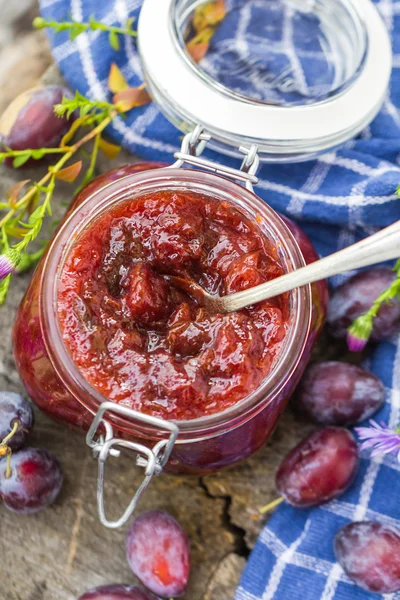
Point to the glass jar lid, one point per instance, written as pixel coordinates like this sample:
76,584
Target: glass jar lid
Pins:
294,77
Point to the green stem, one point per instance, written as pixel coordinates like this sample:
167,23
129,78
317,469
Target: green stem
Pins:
8,468
43,151
7,449
4,239
32,233
271,505
110,28
10,435
391,292
40,23
90,171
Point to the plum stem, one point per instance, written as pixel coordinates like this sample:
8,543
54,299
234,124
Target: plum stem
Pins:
8,467
271,505
6,450
11,434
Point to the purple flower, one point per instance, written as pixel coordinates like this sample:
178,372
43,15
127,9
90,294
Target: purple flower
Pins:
355,343
359,333
379,437
8,262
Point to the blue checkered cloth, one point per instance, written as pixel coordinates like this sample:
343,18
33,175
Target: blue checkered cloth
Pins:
338,199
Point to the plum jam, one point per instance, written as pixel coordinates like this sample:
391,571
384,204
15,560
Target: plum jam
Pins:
146,344
99,320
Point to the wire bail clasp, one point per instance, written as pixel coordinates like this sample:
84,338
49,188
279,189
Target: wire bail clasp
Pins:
152,460
193,145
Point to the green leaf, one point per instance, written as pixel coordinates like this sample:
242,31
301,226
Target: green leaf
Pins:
85,110
4,239
25,225
129,23
41,188
74,32
28,260
34,232
37,154
62,27
4,287
113,40
37,214
20,160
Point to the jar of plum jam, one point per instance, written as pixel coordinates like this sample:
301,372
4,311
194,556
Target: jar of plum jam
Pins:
105,340
101,332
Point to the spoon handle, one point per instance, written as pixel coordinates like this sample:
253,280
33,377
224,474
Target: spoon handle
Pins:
381,246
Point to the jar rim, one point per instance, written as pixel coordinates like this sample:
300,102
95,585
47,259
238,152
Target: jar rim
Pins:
138,184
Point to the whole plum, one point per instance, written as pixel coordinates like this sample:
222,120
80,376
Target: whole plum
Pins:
369,553
157,550
339,393
319,468
30,121
35,481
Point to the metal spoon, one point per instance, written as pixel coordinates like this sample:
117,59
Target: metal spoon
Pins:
381,246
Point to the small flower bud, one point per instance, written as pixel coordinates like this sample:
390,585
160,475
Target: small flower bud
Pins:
39,23
359,333
8,262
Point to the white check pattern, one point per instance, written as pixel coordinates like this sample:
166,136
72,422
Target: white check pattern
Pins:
339,198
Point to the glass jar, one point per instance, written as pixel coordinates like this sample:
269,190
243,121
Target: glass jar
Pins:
216,108
202,445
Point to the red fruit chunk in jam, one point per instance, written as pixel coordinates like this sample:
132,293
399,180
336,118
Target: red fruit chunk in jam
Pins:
35,482
157,550
338,393
369,554
318,469
356,296
147,295
244,273
117,592
141,341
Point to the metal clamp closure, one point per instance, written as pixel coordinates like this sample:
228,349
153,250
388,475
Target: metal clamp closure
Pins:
194,143
152,460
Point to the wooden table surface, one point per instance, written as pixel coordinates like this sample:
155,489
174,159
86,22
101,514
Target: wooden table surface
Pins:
63,551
